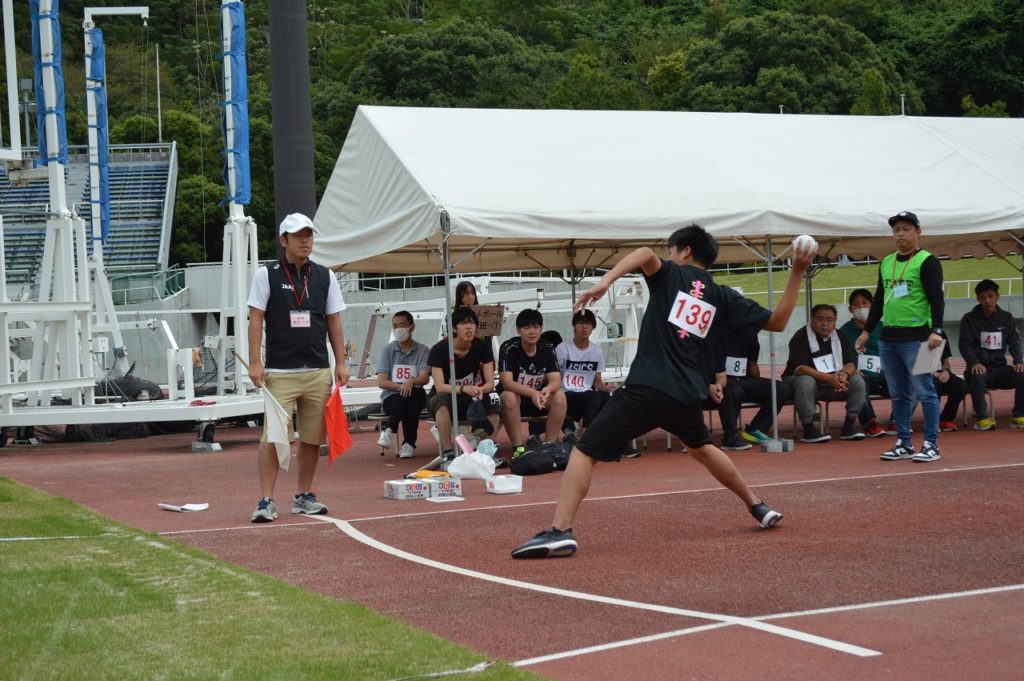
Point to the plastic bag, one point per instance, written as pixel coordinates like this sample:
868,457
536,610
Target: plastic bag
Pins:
472,465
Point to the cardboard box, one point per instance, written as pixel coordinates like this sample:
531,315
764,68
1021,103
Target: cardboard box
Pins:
444,487
491,319
504,484
406,489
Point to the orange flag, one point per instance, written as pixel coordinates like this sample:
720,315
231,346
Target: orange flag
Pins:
338,438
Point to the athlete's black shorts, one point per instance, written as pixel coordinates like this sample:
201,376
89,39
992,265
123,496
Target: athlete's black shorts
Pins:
638,409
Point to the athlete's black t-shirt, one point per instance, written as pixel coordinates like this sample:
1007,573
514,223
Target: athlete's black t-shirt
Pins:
529,371
468,369
687,316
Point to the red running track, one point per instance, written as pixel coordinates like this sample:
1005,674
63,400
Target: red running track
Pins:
879,569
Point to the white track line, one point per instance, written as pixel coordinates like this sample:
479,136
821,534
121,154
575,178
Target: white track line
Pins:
784,615
252,526
83,536
839,646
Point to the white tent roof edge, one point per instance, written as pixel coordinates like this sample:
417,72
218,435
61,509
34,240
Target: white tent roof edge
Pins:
560,188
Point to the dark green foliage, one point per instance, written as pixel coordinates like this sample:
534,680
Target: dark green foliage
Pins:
947,57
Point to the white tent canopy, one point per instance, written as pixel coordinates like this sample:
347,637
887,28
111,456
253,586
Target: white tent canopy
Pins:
528,189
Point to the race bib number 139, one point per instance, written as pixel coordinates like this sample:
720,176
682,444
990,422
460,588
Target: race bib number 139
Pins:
692,314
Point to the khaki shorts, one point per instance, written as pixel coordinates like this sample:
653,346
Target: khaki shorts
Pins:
305,392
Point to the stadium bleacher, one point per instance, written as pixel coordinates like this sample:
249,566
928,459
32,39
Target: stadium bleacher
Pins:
138,190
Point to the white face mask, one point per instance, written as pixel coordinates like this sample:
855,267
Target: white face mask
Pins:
401,333
861,313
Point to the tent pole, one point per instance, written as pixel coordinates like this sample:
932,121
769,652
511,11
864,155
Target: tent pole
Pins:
446,232
771,340
1021,268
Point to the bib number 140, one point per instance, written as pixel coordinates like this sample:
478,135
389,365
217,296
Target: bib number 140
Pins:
692,314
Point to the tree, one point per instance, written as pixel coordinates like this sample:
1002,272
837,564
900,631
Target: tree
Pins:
198,221
457,64
137,129
996,109
811,65
874,98
589,85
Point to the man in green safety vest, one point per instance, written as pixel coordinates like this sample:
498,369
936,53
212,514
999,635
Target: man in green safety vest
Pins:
909,296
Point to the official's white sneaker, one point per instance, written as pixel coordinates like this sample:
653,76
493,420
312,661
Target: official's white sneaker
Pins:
385,438
406,451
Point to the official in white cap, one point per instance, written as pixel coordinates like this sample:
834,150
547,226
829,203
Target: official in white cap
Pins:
299,303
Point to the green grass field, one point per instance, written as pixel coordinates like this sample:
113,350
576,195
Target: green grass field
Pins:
113,602
844,279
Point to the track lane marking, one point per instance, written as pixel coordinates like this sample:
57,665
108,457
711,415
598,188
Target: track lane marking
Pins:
766,627
625,643
700,490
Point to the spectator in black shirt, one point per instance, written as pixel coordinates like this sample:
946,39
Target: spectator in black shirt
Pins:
530,381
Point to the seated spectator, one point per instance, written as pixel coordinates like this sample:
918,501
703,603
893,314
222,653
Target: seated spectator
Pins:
986,333
743,383
953,387
473,382
537,428
821,367
869,364
580,363
530,382
401,374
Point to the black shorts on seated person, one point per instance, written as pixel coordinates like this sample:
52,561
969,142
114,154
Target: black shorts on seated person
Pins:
438,401
638,409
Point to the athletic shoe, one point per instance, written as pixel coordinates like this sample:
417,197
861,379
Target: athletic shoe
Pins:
385,438
447,458
569,436
872,429
266,511
850,432
733,442
765,515
549,543
631,453
533,441
754,436
518,452
433,432
812,434
948,426
900,451
984,423
929,452
406,451
307,504
1017,422
890,428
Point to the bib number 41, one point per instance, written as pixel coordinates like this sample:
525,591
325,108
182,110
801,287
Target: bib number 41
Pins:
692,314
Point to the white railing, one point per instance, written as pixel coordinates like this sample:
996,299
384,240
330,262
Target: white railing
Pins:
963,288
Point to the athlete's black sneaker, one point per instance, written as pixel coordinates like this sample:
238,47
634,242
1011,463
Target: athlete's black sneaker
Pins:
549,543
767,517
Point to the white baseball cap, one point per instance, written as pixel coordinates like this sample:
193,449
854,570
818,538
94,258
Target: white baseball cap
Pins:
296,222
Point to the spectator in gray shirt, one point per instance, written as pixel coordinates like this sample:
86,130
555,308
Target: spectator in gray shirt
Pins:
401,374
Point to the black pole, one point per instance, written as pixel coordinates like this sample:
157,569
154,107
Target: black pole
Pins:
291,110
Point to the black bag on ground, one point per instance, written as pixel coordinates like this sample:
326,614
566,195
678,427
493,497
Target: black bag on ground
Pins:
543,458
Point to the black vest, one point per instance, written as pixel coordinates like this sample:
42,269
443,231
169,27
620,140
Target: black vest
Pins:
289,348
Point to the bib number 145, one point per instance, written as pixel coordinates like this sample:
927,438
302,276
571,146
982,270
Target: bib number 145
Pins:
692,314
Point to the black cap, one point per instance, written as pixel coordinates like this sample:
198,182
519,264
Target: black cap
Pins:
907,216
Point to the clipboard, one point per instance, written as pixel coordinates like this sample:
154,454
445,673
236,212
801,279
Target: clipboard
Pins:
929,360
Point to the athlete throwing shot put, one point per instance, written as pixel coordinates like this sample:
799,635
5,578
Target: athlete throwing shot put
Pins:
687,315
